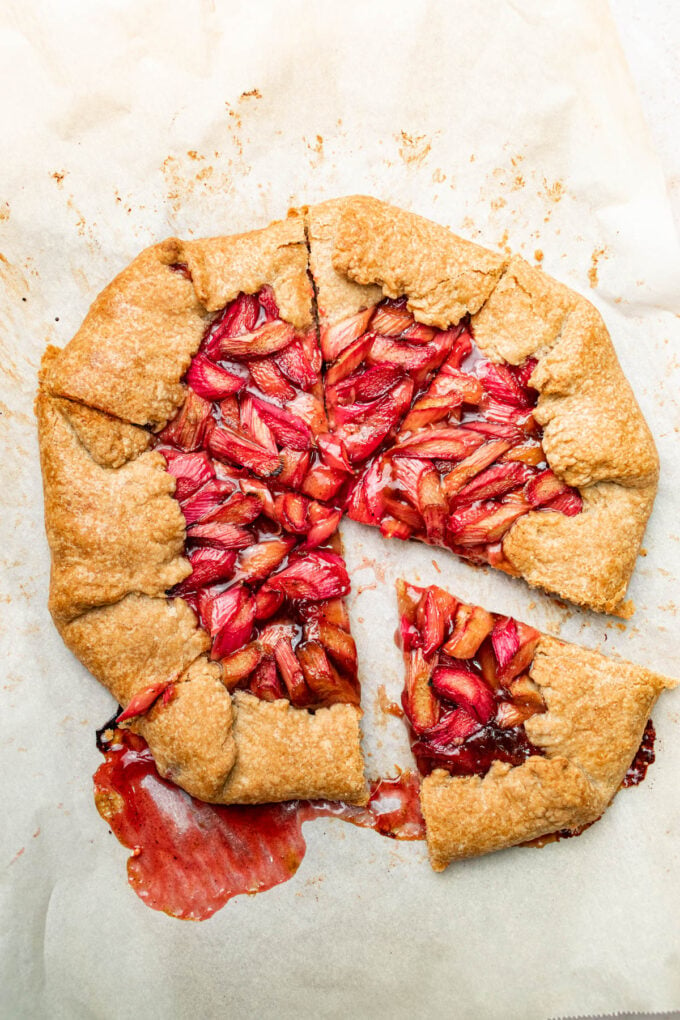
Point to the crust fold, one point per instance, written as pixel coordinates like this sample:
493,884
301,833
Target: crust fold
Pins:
111,532
285,753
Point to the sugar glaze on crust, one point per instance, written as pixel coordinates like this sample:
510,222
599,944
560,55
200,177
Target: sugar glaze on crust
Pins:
116,532
595,437
596,714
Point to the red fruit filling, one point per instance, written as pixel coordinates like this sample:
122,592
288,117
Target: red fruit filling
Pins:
465,462
467,692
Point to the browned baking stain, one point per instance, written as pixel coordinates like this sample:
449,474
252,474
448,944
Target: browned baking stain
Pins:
553,192
598,253
438,177
436,566
538,255
13,279
4,211
386,705
251,94
414,149
58,176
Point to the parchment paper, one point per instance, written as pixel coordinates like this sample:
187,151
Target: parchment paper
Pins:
517,124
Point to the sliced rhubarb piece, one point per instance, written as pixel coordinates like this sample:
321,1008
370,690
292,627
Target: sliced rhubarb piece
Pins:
545,487
435,609
288,429
267,602
511,713
334,339
265,682
402,512
466,689
419,702
230,620
468,468
429,410
208,566
323,482
324,524
296,366
432,504
495,481
294,466
439,443
409,634
259,561
500,382
361,441
267,339
351,358
258,488
332,611
507,415
569,503
318,575
268,303
327,686
365,502
495,429
240,316
143,701
239,509
252,424
221,535
212,381
529,452
394,528
416,359
228,445
206,500
525,692
364,386
489,526
240,664
292,511
419,333
230,412
190,426
333,452
191,471
514,644
471,625
269,378
291,672
451,730
338,642
391,318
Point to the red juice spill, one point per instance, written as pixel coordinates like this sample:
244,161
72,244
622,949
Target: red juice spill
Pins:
643,759
189,858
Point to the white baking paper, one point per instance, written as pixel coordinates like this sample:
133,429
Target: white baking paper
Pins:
513,121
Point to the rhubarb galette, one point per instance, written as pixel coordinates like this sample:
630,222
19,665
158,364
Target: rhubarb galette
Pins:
517,734
203,434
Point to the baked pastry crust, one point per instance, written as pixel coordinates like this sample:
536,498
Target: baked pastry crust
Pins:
595,437
117,534
597,709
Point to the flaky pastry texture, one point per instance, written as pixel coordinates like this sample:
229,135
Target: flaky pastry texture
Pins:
595,437
596,713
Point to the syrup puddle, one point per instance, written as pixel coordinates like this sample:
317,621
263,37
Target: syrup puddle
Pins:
190,858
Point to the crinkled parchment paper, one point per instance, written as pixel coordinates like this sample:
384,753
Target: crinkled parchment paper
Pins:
517,124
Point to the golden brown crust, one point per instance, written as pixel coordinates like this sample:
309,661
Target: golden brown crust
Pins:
191,737
338,297
136,642
111,531
222,267
285,753
588,558
136,342
109,441
597,709
443,276
469,815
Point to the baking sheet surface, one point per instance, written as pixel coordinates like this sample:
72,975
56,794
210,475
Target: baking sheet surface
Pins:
516,123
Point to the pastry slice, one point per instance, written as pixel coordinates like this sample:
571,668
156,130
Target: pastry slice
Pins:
521,445
517,734
189,573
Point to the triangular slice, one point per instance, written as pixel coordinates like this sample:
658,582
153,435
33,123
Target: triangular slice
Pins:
527,449
518,734
272,712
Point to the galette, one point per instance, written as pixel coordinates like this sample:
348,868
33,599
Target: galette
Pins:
226,401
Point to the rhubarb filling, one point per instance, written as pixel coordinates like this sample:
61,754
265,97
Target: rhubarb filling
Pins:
267,579
467,460
468,691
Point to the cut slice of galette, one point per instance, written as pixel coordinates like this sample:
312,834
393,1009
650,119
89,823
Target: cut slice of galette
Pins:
190,573
480,402
517,734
